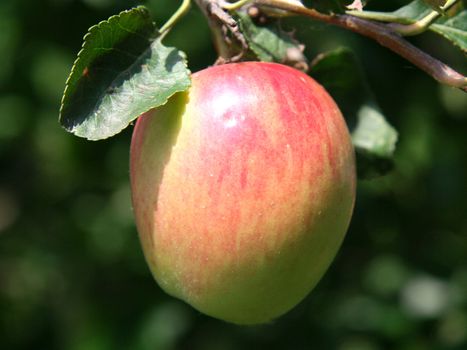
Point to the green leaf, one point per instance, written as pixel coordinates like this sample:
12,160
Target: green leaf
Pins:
374,133
120,73
271,43
374,139
412,12
454,29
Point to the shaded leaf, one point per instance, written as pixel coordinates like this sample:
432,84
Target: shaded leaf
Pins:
120,73
454,29
375,142
374,133
271,43
374,138
412,12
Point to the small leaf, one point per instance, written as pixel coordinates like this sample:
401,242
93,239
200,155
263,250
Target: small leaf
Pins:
271,43
374,133
375,141
120,73
412,12
374,138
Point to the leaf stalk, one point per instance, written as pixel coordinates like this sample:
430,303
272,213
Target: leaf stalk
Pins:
181,11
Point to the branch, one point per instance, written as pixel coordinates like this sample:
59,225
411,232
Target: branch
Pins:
393,41
384,35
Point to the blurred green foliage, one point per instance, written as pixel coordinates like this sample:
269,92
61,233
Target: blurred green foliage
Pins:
72,275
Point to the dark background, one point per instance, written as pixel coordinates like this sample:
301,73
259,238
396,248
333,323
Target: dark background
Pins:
72,275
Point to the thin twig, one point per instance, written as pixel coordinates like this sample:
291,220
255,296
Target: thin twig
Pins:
181,11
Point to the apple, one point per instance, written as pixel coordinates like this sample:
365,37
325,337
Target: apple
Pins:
243,188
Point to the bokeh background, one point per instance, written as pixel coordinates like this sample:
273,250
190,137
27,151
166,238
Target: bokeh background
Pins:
72,274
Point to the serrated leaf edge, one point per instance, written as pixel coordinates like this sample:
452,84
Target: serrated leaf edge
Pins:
185,64
439,29
90,31
257,49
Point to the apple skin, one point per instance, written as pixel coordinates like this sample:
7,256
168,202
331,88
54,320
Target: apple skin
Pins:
243,189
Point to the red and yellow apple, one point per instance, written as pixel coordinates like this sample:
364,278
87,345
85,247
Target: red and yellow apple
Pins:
243,188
